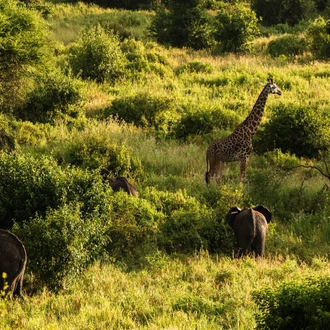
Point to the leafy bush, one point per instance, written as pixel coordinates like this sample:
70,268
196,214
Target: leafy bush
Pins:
303,304
286,11
30,186
236,28
23,43
93,149
300,130
195,66
288,45
51,99
203,122
61,244
97,55
145,110
318,33
134,228
184,24
189,225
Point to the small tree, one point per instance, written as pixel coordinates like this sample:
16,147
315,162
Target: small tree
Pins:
97,55
319,38
184,24
236,28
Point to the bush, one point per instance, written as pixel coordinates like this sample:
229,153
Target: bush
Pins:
236,28
288,45
203,122
300,130
61,244
146,110
52,98
318,33
30,186
184,24
303,304
23,44
97,55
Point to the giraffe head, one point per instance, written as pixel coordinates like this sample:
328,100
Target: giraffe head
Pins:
271,87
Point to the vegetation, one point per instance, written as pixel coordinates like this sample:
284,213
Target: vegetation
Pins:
95,90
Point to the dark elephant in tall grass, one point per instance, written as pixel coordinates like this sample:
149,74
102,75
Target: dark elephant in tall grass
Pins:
250,226
13,260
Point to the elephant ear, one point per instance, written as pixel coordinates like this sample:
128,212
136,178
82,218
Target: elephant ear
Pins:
231,215
263,210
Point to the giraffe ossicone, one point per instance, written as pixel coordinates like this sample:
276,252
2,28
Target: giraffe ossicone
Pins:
238,145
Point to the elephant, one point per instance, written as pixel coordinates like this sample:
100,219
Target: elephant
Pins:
250,226
13,260
121,183
118,183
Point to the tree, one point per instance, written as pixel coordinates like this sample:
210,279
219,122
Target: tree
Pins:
23,44
183,24
236,27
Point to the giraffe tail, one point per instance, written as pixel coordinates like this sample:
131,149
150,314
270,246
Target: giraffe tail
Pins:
207,174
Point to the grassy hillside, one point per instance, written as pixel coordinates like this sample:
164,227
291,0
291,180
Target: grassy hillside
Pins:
169,255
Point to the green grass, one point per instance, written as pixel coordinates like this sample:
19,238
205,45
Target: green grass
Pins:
197,292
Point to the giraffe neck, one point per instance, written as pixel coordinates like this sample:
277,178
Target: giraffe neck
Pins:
253,120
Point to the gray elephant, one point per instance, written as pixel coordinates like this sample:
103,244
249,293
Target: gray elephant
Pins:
250,226
13,260
121,183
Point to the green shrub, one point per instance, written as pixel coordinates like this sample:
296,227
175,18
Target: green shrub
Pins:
146,110
93,149
236,28
61,244
194,67
299,129
97,55
30,186
52,98
201,122
303,304
24,45
288,45
184,24
189,225
133,230
7,133
318,33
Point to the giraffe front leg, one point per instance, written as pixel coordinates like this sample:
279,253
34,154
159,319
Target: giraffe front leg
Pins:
243,165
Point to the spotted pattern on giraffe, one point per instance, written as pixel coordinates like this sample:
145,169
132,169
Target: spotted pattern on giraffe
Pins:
238,145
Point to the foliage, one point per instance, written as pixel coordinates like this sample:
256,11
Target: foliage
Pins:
299,129
157,112
97,55
285,11
183,24
54,96
288,45
319,36
236,28
61,244
295,305
23,43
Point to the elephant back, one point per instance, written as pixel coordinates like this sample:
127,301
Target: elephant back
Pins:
13,256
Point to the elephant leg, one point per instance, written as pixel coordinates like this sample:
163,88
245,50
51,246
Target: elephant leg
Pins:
245,245
258,245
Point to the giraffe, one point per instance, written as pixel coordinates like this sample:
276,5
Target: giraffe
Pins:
238,145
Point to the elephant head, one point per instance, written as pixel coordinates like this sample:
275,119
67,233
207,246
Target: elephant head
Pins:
250,226
12,263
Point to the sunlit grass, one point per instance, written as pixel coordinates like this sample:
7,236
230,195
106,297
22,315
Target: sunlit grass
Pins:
197,292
